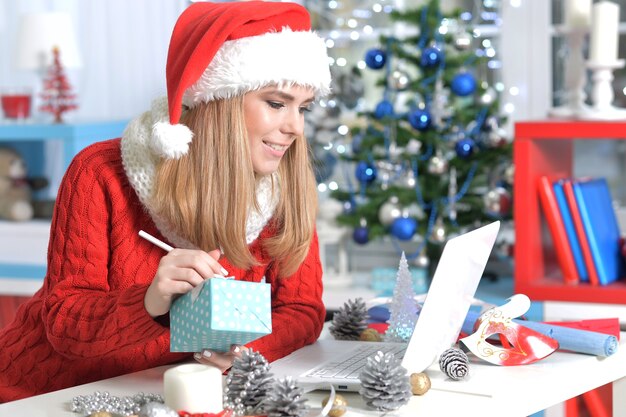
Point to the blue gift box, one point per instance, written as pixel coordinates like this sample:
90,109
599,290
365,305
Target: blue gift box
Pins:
220,313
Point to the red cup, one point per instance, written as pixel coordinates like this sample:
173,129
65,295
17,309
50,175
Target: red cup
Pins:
16,103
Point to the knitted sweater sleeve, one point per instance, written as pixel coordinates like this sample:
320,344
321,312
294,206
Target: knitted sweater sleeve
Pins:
297,309
97,278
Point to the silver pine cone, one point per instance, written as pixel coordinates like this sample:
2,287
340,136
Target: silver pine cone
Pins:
285,399
247,383
385,384
350,321
454,363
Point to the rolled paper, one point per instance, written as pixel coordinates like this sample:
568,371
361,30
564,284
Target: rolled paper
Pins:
194,388
575,340
604,33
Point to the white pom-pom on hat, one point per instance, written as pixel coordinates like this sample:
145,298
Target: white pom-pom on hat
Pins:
170,141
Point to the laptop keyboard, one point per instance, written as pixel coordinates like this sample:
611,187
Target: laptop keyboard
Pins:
350,365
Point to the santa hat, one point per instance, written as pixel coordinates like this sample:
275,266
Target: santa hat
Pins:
222,50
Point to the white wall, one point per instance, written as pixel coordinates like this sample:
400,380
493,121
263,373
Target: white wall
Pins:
123,45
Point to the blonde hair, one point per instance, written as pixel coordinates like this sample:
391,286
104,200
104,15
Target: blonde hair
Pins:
206,195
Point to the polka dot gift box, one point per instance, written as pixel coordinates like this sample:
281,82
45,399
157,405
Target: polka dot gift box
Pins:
220,313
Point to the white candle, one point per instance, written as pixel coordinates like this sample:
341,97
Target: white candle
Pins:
604,33
577,13
194,388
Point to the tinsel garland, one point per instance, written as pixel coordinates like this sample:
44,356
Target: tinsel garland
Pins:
103,401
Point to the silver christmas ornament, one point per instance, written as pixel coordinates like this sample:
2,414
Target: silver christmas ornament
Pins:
389,211
416,211
509,174
437,165
438,234
408,180
398,80
421,261
497,201
413,147
462,41
488,97
440,109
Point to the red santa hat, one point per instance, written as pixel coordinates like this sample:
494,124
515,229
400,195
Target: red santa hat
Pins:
222,50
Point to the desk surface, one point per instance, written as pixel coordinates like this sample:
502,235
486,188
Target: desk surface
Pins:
513,391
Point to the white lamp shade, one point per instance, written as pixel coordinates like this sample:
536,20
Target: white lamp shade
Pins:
39,33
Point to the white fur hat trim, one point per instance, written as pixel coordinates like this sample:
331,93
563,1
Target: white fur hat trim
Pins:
254,62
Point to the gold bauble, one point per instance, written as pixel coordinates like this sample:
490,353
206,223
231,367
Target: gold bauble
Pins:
370,335
339,408
420,383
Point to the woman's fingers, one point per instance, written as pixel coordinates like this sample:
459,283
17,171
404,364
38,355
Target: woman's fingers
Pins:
205,264
221,360
179,271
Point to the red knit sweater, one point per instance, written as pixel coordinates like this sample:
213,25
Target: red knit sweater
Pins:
88,321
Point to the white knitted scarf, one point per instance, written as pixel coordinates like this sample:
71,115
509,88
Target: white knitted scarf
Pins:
140,159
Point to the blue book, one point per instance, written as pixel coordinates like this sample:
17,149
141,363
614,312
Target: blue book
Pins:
601,227
572,237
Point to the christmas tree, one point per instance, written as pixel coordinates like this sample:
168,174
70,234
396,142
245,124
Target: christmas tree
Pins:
57,96
404,308
432,159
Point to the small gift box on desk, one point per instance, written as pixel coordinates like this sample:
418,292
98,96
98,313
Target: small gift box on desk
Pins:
219,313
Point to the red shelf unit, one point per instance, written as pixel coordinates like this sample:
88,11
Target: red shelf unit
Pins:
547,148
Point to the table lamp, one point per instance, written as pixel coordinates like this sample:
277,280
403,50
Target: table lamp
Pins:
40,37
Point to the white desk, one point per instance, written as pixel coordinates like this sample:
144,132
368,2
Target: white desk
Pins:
511,391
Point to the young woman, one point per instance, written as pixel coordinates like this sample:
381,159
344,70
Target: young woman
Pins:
220,170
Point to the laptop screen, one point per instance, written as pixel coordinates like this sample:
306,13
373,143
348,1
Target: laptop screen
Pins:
450,296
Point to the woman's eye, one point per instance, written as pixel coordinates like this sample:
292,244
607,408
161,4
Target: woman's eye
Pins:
305,109
275,104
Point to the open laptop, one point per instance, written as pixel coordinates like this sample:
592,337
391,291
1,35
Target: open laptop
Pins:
449,298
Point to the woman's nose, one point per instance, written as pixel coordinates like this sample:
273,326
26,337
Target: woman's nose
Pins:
293,124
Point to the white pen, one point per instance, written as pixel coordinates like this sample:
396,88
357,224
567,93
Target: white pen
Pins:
156,241
165,246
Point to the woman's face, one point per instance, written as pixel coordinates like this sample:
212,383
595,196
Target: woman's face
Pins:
274,118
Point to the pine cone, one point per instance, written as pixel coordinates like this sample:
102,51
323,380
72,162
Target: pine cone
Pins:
385,384
247,383
454,363
285,399
350,321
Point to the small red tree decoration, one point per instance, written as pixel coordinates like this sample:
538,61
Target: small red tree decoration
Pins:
57,93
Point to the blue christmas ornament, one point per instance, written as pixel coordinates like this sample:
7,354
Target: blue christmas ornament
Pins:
465,147
463,84
383,109
375,58
361,235
365,172
420,119
431,57
404,228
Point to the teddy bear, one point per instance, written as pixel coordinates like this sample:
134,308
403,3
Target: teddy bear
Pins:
15,187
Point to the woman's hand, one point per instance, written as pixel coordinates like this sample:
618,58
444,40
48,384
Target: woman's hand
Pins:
222,361
179,271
